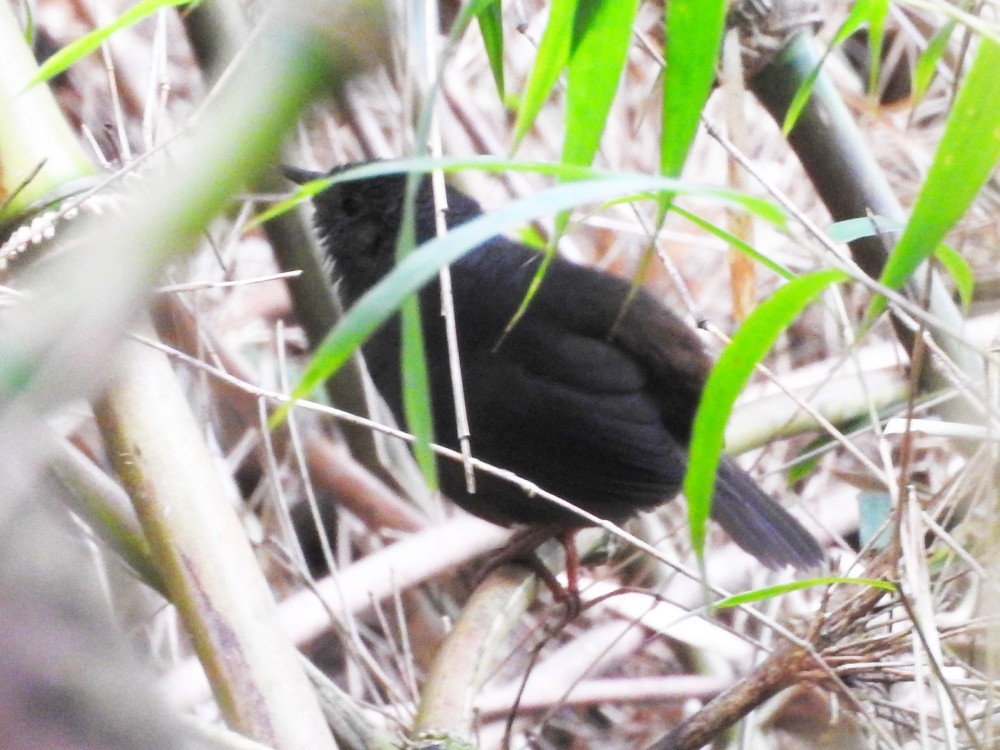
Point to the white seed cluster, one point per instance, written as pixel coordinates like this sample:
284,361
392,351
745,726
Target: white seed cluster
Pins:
34,237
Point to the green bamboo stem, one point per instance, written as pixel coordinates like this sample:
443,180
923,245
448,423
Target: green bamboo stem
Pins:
33,133
204,556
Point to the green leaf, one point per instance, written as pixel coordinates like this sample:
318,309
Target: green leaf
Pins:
598,49
736,363
849,230
983,26
732,240
770,592
30,27
491,27
532,237
923,72
82,47
960,271
598,52
965,158
553,54
862,12
761,208
803,467
413,361
416,390
694,30
876,41
874,509
601,34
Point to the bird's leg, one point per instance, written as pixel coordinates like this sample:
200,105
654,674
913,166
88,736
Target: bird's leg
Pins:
522,549
571,594
568,540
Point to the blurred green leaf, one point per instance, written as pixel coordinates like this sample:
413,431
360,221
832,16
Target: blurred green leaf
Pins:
803,467
984,26
923,72
531,237
734,367
82,47
876,42
30,27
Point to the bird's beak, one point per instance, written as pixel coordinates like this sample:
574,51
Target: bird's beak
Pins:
300,176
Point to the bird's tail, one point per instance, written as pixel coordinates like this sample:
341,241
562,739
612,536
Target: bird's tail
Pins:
758,524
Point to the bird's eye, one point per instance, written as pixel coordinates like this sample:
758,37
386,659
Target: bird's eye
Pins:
351,205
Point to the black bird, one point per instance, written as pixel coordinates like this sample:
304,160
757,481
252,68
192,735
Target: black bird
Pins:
595,411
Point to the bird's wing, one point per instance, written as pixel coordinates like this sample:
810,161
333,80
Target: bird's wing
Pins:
603,308
589,428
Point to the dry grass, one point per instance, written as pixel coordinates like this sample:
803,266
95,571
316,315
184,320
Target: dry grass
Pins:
913,673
